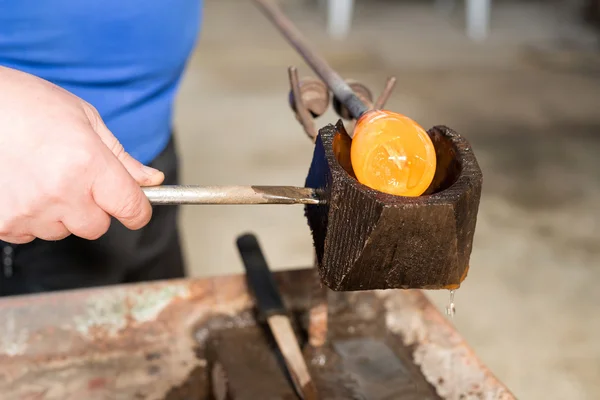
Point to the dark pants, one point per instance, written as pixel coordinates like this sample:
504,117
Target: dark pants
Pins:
120,256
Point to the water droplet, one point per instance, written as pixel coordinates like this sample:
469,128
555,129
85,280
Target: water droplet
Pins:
319,359
450,308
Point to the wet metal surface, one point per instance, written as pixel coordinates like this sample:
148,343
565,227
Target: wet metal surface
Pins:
361,361
377,370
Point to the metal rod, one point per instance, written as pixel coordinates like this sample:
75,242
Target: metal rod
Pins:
165,195
336,84
303,114
385,95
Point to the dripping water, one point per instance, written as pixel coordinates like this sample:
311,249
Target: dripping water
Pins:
451,308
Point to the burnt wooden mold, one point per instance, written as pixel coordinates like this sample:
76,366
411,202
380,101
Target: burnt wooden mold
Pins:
366,239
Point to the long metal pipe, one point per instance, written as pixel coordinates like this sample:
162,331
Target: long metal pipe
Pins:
336,84
182,194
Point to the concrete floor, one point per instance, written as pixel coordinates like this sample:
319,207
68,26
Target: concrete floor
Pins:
530,304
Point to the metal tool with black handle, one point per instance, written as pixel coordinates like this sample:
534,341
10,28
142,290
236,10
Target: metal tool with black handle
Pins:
271,307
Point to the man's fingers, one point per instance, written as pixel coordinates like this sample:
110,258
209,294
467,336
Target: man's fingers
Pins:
117,189
49,231
117,193
143,175
89,222
18,239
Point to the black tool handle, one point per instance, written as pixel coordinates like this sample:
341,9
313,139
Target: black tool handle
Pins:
259,276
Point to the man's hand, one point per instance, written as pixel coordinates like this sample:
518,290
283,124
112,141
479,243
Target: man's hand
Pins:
62,171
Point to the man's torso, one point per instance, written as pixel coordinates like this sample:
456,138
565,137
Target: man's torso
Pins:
125,57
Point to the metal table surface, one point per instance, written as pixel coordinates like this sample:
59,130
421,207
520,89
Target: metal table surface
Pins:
145,341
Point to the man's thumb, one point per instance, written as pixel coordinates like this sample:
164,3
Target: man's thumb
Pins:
143,175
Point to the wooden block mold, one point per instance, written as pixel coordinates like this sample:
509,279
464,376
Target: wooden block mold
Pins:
366,239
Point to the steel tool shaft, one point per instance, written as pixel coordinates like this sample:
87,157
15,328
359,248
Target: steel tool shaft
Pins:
164,195
334,81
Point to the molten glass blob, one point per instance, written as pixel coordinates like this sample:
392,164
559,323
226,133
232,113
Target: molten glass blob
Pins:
392,153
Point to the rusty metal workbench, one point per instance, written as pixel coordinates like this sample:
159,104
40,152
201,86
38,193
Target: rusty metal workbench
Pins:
147,341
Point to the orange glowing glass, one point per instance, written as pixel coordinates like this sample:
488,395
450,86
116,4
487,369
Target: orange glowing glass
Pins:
392,153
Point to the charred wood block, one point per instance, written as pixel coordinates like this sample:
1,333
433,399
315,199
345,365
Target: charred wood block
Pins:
366,239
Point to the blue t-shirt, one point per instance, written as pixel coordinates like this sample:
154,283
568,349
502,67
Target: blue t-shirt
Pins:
125,57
